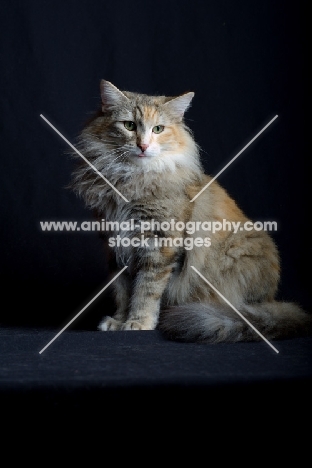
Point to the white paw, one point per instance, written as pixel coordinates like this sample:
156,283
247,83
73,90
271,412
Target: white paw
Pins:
134,325
109,323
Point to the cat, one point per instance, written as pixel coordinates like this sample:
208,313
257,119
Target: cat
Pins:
143,148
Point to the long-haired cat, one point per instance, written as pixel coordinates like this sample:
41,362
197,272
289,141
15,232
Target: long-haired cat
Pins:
142,146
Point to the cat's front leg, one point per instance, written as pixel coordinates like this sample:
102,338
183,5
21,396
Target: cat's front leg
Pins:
122,294
149,285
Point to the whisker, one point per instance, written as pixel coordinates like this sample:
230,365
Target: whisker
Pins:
118,152
110,162
111,153
119,156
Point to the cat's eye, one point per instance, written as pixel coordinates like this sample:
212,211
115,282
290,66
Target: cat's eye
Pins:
131,126
158,128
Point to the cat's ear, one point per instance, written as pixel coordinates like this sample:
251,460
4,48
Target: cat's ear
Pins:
180,104
111,96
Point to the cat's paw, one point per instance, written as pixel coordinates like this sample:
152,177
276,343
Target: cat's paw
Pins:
109,323
135,325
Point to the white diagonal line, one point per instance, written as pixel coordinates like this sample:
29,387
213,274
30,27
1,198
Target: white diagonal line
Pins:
97,295
233,159
82,156
235,310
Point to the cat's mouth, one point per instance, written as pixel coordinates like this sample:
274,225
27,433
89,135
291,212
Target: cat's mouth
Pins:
144,154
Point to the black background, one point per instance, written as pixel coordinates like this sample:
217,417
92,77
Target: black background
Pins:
244,61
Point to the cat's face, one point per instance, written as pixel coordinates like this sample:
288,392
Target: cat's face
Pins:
142,128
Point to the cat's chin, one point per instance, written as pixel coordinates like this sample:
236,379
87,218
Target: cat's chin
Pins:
142,158
145,155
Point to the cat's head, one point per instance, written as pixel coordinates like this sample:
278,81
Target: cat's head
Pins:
144,130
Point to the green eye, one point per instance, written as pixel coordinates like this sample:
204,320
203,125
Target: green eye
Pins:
131,126
158,128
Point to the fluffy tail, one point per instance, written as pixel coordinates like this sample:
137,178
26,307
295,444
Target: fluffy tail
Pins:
209,323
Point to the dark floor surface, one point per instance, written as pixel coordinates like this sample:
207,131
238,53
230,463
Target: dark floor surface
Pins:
79,363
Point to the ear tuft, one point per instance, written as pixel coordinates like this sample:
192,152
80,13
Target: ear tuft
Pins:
111,96
180,104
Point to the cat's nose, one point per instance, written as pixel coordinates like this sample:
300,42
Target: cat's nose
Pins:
143,146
